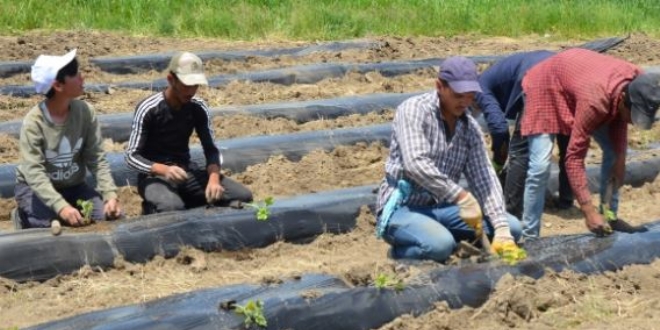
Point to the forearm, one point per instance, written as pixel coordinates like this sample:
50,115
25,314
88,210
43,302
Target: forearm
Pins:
214,173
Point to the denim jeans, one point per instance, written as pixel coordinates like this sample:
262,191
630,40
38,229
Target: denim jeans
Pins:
540,151
514,181
431,232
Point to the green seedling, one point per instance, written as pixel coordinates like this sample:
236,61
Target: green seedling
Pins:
384,281
512,256
86,207
262,210
253,312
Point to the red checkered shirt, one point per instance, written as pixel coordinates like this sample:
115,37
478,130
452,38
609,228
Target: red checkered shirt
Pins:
573,93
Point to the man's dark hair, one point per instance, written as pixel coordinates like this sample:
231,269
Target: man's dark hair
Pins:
68,70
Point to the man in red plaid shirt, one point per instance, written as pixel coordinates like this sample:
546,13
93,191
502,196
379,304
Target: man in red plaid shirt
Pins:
582,93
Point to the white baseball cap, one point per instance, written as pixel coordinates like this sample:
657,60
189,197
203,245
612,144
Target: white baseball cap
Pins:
45,69
188,68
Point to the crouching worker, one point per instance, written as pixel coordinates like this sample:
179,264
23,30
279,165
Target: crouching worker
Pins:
422,211
60,140
158,146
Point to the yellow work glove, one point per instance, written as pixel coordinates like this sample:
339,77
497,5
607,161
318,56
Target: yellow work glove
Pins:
505,248
470,212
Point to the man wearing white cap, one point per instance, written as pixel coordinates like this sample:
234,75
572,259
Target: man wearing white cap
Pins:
60,141
158,147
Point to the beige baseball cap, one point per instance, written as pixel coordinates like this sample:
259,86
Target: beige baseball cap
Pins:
189,68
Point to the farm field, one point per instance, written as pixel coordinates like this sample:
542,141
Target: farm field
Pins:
624,299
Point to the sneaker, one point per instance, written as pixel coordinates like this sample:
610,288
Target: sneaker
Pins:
16,219
621,225
55,227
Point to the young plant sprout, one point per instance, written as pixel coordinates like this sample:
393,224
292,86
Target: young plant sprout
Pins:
512,256
384,281
86,207
262,210
253,311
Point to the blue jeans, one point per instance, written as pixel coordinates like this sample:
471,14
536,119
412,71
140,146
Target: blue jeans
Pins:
540,151
431,232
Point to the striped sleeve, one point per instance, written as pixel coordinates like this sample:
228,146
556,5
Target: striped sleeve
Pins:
204,129
139,133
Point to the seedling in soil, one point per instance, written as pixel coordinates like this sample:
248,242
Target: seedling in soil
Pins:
253,311
263,212
513,255
384,281
86,207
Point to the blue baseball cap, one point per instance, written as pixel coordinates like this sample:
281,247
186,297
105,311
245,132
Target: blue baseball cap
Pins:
461,74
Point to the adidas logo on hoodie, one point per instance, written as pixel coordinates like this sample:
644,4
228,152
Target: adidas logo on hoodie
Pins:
62,159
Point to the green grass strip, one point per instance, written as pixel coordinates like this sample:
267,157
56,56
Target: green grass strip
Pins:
335,19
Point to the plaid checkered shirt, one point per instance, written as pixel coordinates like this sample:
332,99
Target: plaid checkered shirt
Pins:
421,153
573,93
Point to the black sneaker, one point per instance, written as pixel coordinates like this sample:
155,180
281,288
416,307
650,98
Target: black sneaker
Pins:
15,217
621,225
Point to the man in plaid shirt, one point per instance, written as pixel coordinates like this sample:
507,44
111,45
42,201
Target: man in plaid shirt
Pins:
582,93
422,210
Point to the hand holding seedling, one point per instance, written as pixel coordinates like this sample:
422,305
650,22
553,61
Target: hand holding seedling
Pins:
509,251
71,215
262,208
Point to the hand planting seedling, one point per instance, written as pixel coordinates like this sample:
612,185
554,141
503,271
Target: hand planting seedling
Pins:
511,253
384,281
262,208
253,313
86,206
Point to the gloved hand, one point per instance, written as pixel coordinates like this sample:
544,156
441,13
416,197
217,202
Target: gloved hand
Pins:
504,247
470,212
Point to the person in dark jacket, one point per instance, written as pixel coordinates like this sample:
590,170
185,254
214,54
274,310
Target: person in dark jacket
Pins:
502,100
168,179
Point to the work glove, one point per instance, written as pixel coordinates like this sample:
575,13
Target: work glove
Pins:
505,248
470,212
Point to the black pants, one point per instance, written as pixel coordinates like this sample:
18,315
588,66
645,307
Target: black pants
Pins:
514,181
160,195
34,213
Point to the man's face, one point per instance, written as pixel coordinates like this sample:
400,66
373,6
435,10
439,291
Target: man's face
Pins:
181,92
454,103
73,86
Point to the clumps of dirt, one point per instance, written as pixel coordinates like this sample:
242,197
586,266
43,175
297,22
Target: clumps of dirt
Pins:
231,126
7,286
6,205
557,300
9,150
346,166
639,48
196,259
